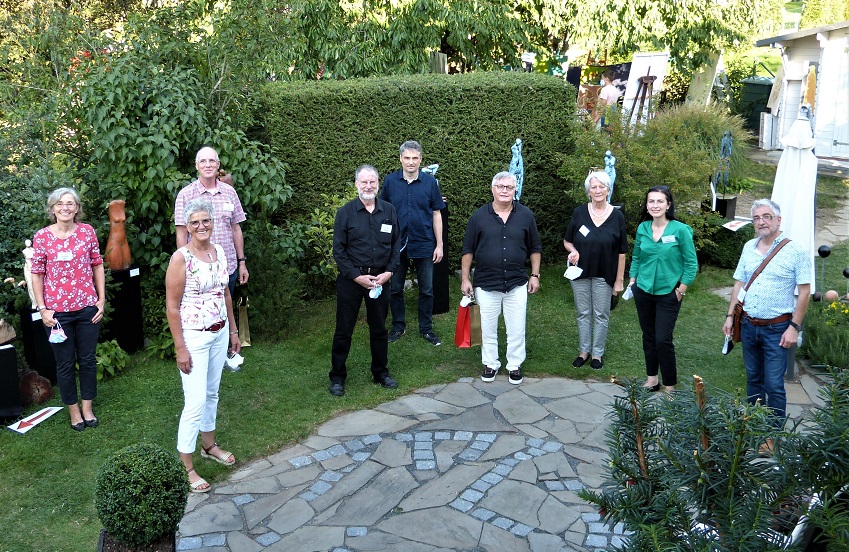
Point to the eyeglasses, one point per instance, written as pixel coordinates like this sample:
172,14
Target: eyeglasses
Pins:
504,187
197,223
202,162
765,218
68,204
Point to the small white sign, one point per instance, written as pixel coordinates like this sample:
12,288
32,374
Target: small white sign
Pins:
33,420
134,272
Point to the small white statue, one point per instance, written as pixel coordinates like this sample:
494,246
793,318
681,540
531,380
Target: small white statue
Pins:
29,252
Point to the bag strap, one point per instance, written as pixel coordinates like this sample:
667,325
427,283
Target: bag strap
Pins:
766,262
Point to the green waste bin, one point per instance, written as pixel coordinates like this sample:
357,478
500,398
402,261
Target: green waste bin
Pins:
753,100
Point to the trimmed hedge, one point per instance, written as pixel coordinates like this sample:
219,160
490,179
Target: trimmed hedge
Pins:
467,123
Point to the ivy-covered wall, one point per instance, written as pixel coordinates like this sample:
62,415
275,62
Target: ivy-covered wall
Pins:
467,123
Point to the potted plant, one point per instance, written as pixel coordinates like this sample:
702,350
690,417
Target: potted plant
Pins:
140,497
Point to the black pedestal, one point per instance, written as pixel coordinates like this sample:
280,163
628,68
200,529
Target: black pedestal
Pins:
37,351
441,271
726,207
125,318
10,400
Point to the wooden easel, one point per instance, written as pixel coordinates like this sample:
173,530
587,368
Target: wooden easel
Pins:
645,89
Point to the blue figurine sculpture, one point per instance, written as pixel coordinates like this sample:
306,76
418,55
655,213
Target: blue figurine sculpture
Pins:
517,166
610,169
721,176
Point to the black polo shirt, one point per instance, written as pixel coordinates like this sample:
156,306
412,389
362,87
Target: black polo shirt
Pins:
363,239
501,249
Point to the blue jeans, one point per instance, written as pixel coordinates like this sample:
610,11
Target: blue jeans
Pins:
766,362
80,348
424,274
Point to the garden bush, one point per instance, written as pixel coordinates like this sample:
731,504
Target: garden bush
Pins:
466,123
678,148
826,336
140,493
727,245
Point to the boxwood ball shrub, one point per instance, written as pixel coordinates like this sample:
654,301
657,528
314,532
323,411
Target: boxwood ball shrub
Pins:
141,493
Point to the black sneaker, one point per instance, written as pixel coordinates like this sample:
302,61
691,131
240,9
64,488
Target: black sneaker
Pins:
432,338
395,335
337,389
488,374
516,376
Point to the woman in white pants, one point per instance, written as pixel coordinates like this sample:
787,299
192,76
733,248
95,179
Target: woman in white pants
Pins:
200,316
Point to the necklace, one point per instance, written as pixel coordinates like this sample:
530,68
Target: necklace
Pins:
198,252
603,212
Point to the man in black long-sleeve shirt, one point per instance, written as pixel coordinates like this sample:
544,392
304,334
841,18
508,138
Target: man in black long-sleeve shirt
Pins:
365,246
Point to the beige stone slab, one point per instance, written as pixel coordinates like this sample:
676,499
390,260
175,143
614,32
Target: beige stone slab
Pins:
291,516
295,478
555,388
255,485
515,500
317,442
525,471
576,408
242,543
416,405
258,510
445,453
209,518
495,539
378,541
555,462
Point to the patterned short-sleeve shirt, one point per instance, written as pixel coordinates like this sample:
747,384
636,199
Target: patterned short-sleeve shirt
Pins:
67,267
773,292
228,211
203,301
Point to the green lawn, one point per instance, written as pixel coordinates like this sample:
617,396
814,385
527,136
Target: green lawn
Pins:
281,396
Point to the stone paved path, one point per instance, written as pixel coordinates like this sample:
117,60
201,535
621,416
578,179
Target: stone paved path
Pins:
466,467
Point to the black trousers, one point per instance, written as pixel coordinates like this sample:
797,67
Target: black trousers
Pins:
658,314
349,297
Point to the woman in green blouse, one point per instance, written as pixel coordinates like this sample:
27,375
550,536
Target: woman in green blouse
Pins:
663,266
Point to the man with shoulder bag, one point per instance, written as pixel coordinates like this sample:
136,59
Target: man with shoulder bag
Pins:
770,271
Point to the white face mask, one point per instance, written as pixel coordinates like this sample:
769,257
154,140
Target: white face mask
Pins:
57,334
573,272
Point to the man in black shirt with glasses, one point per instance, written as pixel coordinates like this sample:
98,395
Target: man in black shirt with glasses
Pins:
365,247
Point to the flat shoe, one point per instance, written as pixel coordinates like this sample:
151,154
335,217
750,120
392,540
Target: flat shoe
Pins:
653,388
91,423
579,361
387,381
596,364
225,457
78,427
196,486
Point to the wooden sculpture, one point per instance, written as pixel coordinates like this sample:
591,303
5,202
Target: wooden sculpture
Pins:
117,249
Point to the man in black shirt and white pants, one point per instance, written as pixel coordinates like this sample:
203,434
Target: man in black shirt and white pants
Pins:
365,246
500,237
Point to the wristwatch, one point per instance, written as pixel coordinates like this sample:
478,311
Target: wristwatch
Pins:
795,325
242,260
535,276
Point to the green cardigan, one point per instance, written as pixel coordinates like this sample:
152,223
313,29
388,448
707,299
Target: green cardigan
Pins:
659,265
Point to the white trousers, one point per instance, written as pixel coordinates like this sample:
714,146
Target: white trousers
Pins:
514,306
200,386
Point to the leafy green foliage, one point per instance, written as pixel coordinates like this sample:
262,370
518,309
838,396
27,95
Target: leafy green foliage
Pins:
826,337
141,493
111,359
823,12
726,246
466,123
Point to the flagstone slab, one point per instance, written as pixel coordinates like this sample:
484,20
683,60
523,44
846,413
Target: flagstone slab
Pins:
495,539
525,471
378,541
364,422
310,539
504,445
445,453
441,527
260,485
576,408
392,453
258,510
290,516
555,517
516,500
555,388
443,490
299,477
416,405
372,502
209,518
562,430
542,542
461,394
348,485
518,408
242,543
555,462
478,419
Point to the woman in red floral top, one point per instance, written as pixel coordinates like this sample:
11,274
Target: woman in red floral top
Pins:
70,290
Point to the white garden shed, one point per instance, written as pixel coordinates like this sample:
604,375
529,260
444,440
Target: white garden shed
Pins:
815,70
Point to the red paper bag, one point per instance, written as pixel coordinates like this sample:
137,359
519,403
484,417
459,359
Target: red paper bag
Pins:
463,331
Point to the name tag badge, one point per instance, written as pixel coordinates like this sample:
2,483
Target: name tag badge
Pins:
228,206
584,230
668,239
387,228
64,256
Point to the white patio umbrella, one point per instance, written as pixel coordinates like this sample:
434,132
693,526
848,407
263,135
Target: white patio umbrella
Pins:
795,186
